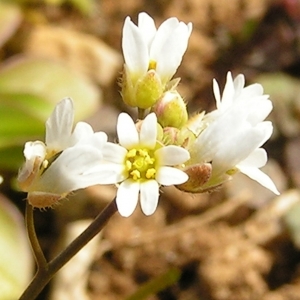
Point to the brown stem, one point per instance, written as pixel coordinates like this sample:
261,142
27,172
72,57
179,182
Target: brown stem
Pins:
35,245
44,275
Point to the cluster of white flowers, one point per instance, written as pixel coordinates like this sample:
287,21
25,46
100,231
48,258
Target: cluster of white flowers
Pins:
165,147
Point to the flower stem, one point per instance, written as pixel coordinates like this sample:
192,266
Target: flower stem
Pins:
47,270
141,113
35,245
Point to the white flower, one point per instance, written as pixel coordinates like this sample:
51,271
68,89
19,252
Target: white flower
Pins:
146,48
230,137
141,165
61,164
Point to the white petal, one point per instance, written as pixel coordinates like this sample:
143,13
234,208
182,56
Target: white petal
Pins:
228,93
168,47
231,152
135,49
32,152
81,131
257,158
147,27
109,173
149,196
212,144
85,135
217,94
256,109
169,176
98,140
267,129
114,153
148,131
260,177
171,155
60,124
127,132
34,149
239,83
70,171
127,197
253,90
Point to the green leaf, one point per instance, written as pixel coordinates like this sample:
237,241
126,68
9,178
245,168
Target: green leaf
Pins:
51,81
22,116
15,256
29,91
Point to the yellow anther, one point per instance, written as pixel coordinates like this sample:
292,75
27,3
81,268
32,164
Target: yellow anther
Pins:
149,160
128,165
135,174
131,153
150,173
152,65
45,163
139,164
143,152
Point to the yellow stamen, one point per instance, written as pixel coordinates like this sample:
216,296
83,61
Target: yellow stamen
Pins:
139,163
150,173
45,163
135,174
128,165
131,153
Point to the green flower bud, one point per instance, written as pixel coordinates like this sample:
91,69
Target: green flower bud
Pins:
141,92
171,110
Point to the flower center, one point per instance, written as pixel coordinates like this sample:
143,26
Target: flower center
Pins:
140,164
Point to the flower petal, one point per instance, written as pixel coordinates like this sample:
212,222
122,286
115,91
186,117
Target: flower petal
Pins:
147,27
114,153
60,124
81,131
34,149
148,131
70,171
169,45
85,135
34,153
135,49
217,93
169,176
127,197
260,177
228,92
239,83
171,155
109,173
149,196
127,132
258,158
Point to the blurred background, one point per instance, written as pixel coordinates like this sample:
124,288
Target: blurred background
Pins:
237,243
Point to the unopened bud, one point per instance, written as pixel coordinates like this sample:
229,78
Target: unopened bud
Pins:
141,92
171,110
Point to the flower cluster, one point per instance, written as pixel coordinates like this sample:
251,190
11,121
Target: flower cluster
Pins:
165,146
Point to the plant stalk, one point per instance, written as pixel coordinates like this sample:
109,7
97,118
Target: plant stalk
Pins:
45,271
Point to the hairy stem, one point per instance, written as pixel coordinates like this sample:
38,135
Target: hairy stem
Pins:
47,270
